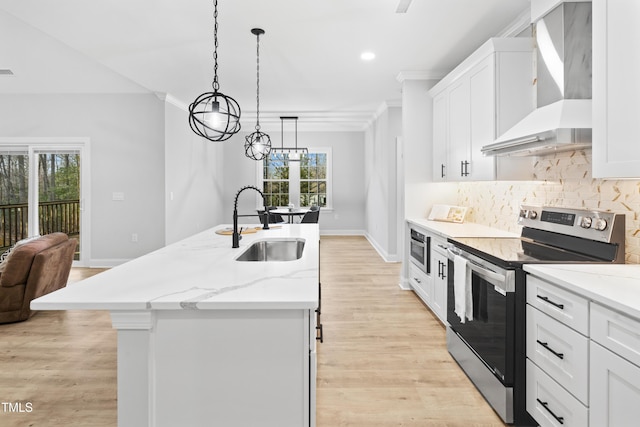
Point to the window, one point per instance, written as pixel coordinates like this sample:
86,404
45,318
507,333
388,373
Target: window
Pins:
304,183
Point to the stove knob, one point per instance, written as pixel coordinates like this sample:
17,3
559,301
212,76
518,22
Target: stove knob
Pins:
601,224
523,213
586,222
532,215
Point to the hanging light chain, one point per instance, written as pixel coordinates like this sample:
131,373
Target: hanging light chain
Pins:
258,82
215,83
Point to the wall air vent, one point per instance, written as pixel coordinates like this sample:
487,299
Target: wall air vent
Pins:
6,72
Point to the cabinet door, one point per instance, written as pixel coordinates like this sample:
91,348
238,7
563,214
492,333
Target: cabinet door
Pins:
614,389
483,119
440,137
421,284
616,88
439,305
459,129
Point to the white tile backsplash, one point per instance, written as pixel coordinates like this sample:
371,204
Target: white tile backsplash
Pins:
564,180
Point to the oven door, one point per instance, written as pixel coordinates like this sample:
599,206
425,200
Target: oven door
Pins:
490,333
419,249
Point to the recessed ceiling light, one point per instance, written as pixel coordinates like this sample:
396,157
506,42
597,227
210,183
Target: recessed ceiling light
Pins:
367,56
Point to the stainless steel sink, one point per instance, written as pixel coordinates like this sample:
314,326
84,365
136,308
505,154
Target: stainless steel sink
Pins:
273,250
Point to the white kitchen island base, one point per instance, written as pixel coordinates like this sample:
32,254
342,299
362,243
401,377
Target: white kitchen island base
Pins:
216,367
207,340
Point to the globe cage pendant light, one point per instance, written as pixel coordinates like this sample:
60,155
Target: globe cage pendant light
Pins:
213,115
257,145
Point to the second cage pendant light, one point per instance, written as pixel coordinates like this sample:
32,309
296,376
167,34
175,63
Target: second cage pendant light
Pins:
257,145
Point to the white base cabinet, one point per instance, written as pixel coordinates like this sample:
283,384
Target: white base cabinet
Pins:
583,360
615,389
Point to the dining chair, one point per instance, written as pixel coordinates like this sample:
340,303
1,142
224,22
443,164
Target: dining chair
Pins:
311,217
273,218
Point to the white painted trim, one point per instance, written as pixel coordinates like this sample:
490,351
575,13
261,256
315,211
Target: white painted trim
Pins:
82,144
518,25
420,75
404,284
107,263
132,320
342,232
384,254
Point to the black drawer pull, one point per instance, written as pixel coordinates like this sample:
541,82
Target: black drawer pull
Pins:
545,345
545,299
545,406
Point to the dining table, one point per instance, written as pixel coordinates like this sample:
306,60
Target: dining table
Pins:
290,212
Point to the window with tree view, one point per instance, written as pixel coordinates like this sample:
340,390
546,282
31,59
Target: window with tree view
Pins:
303,183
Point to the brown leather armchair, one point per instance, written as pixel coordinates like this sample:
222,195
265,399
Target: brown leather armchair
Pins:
33,269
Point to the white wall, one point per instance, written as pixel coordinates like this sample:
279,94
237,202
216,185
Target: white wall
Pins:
127,155
348,213
194,182
381,181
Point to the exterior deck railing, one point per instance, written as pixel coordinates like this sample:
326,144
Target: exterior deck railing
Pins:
61,215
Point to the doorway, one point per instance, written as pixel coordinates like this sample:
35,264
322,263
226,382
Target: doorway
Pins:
43,186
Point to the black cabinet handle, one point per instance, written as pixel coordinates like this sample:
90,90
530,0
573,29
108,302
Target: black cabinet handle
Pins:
545,299
545,405
464,168
555,353
441,267
441,170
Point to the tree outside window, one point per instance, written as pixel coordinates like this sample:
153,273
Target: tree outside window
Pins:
303,183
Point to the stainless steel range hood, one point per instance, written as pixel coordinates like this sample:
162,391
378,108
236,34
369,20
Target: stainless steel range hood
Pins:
562,119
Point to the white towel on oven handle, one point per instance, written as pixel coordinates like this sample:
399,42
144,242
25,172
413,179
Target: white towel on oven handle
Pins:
463,301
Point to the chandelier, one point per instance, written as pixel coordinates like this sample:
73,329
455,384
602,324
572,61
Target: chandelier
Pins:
293,152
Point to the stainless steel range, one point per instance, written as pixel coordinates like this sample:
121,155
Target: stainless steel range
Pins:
487,287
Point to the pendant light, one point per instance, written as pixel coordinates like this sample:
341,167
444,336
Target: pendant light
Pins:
257,145
293,152
213,115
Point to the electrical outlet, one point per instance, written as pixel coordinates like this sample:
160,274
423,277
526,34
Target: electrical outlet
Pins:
134,237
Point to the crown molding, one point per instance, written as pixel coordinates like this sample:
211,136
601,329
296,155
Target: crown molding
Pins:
518,25
420,75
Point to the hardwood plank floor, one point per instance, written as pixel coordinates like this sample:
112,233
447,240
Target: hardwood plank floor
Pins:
383,361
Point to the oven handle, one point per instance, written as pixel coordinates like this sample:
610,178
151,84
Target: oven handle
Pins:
482,271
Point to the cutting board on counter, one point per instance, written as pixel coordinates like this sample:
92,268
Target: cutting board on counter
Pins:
229,231
448,213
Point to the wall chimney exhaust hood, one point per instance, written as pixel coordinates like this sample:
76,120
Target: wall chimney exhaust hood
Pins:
562,119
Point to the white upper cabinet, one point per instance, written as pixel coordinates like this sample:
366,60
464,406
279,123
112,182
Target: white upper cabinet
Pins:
482,97
616,89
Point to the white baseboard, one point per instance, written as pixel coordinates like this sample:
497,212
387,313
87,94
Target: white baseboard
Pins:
107,263
404,284
384,254
342,232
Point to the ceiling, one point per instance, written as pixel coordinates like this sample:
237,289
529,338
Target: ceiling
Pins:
310,62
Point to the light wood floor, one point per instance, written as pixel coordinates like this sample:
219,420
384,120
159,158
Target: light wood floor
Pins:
383,361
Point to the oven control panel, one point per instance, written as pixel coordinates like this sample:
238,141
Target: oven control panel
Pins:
584,223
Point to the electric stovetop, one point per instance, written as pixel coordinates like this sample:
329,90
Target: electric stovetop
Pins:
514,252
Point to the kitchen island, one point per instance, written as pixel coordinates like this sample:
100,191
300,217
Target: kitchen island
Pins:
204,339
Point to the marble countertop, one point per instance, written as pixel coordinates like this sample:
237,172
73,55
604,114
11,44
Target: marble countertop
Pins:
200,272
465,229
614,285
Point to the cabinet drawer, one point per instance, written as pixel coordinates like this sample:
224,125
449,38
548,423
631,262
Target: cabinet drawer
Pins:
551,405
421,283
564,306
617,332
559,351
